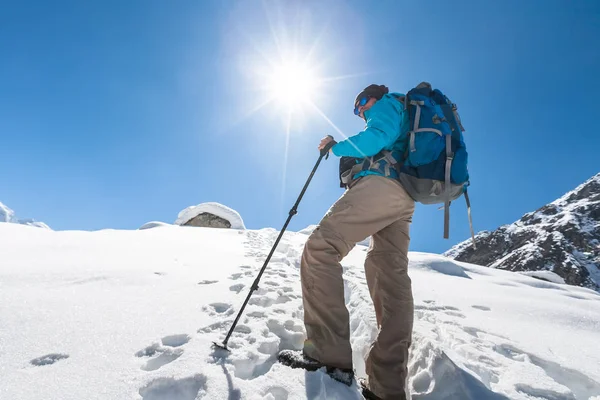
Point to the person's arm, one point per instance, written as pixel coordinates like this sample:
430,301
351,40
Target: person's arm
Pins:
383,129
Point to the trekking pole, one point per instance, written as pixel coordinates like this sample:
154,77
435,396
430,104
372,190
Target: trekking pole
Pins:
293,211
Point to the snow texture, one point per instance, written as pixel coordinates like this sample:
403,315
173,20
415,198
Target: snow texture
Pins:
308,230
212,208
153,224
545,276
8,215
114,315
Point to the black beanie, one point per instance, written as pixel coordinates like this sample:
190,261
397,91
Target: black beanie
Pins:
373,90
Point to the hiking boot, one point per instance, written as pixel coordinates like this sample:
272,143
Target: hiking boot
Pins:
297,359
367,394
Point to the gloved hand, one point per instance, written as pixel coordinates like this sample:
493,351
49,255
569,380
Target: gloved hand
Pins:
326,144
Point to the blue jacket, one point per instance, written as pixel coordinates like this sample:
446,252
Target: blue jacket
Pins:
387,127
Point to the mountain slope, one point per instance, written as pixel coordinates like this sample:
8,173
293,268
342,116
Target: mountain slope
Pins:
118,315
8,215
562,237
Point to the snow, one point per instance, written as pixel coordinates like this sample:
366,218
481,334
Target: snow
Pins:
118,315
8,215
213,208
308,230
544,275
153,224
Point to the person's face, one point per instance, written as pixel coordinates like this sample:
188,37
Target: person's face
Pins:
363,105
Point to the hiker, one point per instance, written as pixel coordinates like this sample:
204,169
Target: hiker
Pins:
375,204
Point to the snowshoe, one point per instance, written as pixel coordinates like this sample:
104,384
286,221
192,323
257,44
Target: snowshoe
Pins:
297,359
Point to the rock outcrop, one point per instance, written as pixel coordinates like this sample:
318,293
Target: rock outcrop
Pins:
562,237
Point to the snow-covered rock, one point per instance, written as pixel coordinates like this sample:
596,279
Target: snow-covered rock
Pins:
113,315
8,215
153,224
204,215
562,237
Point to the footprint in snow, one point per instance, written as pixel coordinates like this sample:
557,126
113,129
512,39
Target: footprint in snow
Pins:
244,329
448,310
482,308
237,287
207,282
277,336
218,309
164,354
266,301
175,340
277,392
160,273
455,314
217,326
48,359
237,275
479,333
580,385
435,308
257,314
192,388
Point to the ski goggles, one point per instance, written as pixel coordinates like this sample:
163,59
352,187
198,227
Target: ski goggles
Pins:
360,103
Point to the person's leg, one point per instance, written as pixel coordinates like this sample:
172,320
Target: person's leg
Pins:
386,269
366,208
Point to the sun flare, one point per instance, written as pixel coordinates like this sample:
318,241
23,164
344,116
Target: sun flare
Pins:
292,84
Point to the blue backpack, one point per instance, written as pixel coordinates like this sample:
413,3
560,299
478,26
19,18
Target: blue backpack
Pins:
434,169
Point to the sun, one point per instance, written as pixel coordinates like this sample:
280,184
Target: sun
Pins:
292,84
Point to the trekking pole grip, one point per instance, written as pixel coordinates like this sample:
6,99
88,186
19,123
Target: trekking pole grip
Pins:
328,146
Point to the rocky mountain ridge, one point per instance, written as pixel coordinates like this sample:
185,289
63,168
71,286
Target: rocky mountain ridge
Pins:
562,237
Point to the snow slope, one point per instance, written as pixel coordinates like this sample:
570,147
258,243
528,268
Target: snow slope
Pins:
117,315
153,224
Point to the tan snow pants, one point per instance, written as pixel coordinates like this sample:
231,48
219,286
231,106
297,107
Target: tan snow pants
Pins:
379,207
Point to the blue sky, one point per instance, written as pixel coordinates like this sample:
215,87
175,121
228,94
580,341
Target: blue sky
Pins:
117,113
